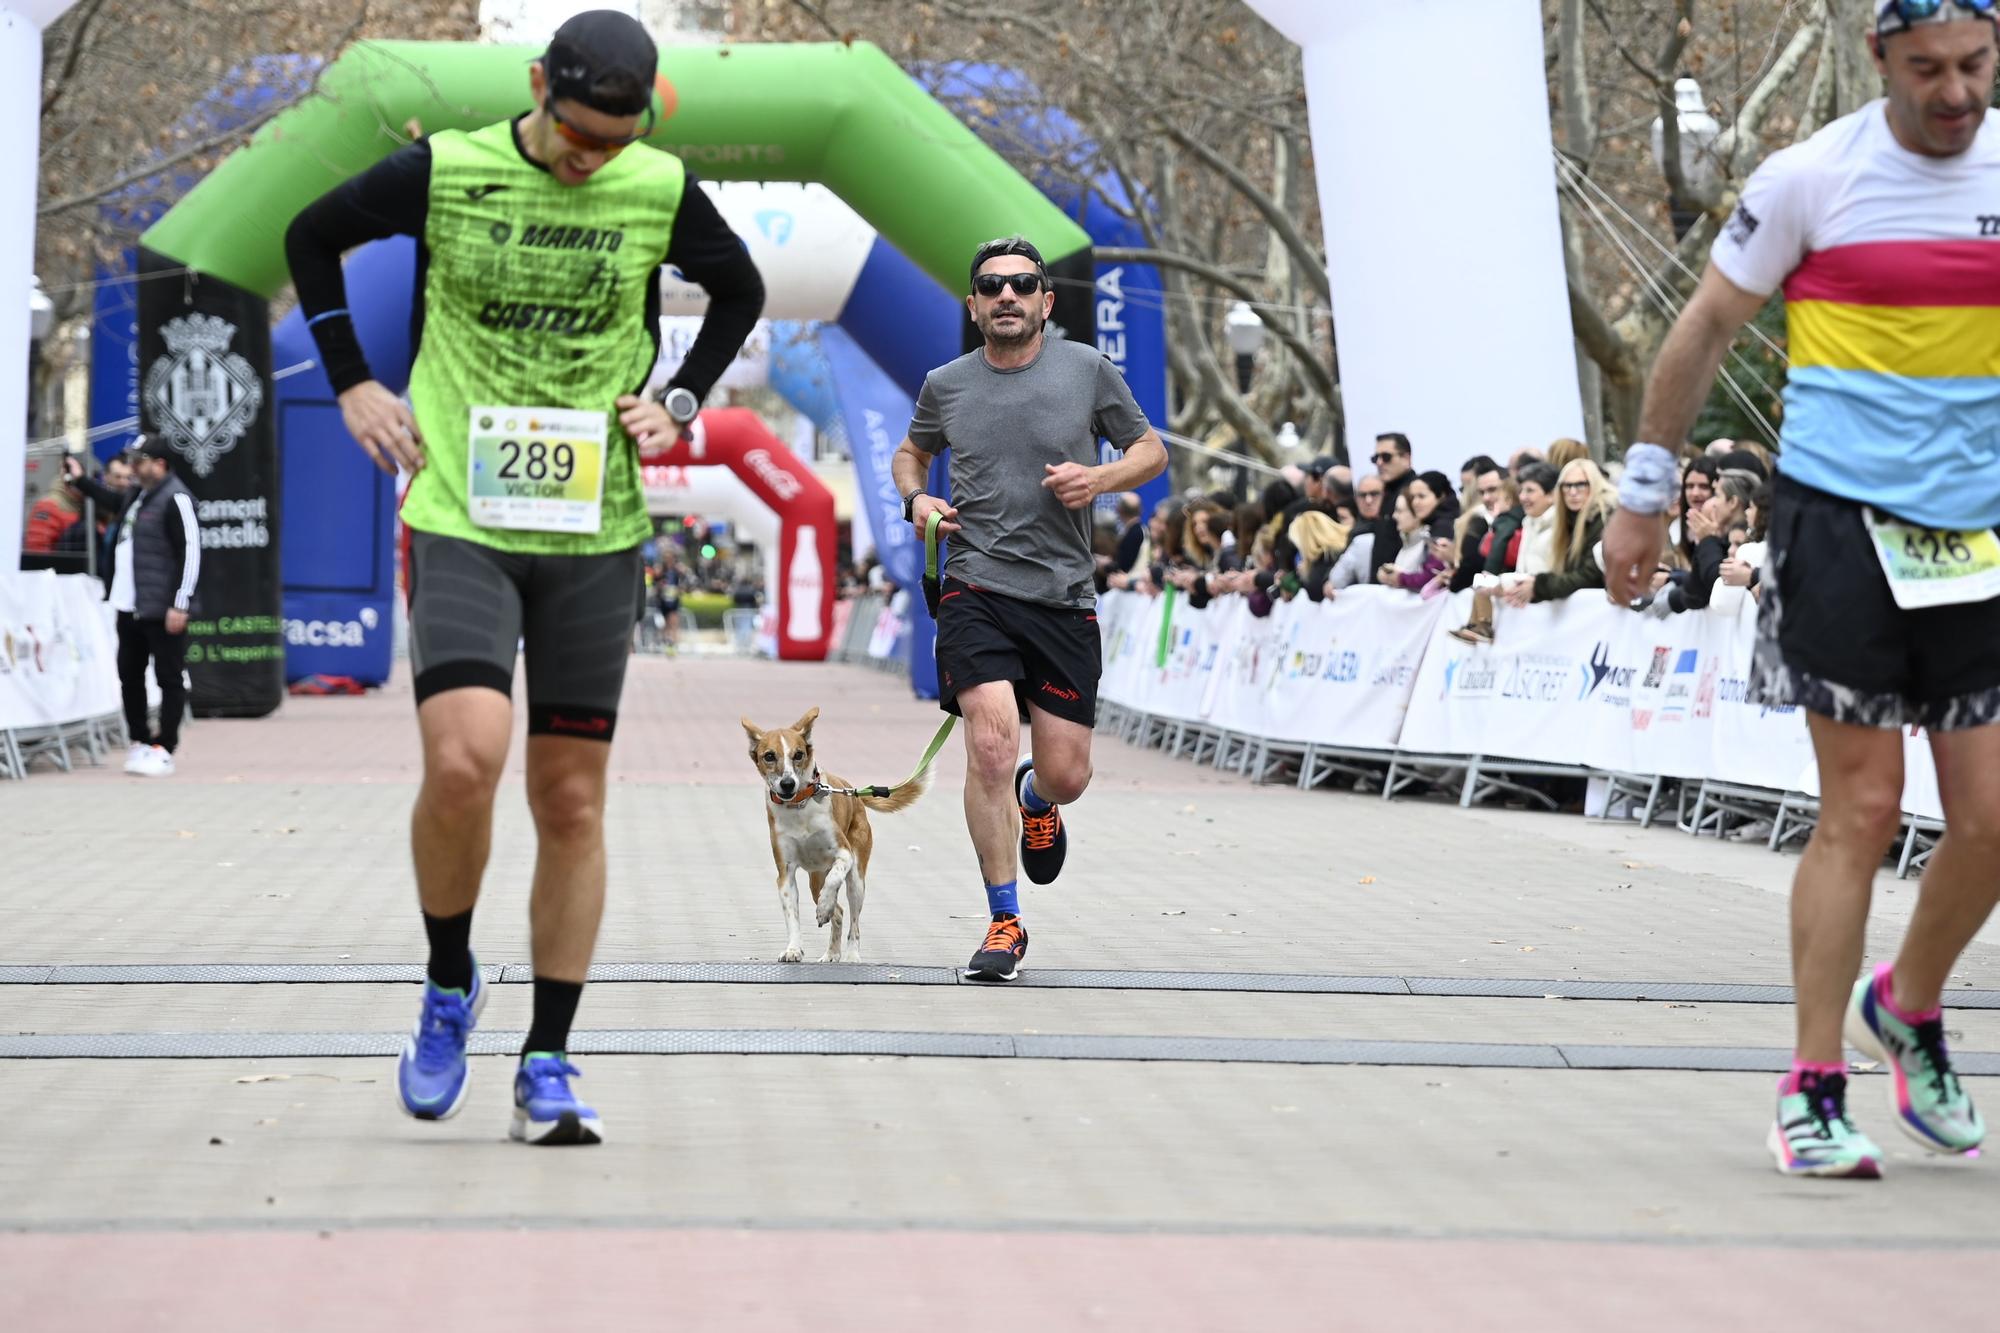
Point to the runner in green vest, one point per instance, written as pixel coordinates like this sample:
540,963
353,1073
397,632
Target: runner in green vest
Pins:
536,325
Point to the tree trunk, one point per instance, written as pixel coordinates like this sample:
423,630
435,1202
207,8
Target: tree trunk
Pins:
1855,82
1579,127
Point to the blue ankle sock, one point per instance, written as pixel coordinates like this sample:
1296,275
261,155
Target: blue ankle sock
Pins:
1000,898
1031,800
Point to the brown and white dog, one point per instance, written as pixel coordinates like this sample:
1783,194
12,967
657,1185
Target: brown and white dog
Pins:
825,834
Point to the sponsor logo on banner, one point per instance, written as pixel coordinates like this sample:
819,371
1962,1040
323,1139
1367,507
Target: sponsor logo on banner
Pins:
1681,688
1658,671
332,633
1398,672
1536,678
1338,668
204,395
1704,693
776,224
1476,678
782,483
1183,656
1599,672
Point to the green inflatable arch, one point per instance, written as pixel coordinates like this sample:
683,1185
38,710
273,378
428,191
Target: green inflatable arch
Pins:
842,115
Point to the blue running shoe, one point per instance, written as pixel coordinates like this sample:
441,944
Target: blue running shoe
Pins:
545,1110
431,1074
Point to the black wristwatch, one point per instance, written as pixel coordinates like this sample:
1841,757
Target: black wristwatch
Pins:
910,505
681,404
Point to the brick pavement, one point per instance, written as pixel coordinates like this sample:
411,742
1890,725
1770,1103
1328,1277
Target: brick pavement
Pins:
886,1191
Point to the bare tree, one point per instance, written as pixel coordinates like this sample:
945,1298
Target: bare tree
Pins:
1208,135
141,97
1628,274
1196,107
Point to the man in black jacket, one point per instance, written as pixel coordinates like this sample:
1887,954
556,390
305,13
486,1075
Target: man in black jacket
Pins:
1393,466
155,564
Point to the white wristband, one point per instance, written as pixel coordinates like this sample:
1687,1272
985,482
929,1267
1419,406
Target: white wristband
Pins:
1652,477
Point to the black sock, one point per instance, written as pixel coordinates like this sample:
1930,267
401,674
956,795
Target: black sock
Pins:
555,1010
450,967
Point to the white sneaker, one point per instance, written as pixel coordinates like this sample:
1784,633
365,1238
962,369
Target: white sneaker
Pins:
135,755
156,764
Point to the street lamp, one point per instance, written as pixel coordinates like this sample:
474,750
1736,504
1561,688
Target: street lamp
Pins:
1246,335
41,312
1698,133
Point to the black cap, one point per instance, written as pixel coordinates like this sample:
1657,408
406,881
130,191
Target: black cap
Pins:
1008,245
151,446
1320,466
605,60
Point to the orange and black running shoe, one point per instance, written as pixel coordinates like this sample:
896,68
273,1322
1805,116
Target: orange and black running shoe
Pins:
1044,841
999,957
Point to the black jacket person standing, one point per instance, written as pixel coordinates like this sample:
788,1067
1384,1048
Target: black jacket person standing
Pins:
155,564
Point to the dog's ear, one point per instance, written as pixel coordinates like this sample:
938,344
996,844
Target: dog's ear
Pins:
805,726
754,731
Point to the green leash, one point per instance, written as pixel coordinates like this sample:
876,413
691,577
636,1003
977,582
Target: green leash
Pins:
931,591
933,586
923,765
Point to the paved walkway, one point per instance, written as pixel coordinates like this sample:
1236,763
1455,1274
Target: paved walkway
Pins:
1401,1120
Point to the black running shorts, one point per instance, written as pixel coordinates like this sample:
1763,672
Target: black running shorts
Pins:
1831,639
1050,653
473,609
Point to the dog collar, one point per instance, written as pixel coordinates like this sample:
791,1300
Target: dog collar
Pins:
806,793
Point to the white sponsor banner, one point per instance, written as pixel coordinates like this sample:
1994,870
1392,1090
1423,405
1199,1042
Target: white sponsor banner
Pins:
1128,625
1756,744
57,661
1336,673
1523,697
1572,682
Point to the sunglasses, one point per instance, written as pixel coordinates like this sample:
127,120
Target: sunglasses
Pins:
591,143
1916,11
991,284
1384,457
1368,495
1574,485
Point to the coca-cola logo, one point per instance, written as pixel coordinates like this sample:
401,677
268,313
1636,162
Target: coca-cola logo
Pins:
783,483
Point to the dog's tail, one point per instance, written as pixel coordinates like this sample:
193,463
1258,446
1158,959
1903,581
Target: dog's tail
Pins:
903,797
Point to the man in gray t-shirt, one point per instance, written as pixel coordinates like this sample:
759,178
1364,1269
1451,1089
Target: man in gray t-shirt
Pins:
1017,637
1008,428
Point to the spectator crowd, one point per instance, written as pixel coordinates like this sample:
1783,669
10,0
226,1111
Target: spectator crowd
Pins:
1526,531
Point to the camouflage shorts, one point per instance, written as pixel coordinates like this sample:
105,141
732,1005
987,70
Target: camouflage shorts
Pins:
1831,639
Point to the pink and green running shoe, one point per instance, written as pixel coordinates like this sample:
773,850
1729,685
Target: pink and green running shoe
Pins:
1931,1106
1812,1135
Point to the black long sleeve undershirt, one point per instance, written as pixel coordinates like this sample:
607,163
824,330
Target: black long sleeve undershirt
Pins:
392,198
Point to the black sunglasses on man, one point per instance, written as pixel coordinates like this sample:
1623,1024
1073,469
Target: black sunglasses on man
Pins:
1024,284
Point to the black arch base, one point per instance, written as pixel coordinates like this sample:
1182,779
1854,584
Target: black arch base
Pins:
205,387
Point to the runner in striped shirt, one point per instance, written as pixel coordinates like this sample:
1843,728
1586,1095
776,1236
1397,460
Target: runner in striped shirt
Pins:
1881,608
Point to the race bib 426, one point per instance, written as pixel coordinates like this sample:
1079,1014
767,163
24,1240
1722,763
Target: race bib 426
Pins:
1934,567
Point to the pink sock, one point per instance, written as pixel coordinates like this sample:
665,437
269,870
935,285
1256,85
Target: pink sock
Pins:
1885,992
1800,1068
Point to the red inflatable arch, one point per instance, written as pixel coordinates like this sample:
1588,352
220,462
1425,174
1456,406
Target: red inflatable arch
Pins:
735,438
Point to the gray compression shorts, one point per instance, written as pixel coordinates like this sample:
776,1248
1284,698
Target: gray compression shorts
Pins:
571,615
